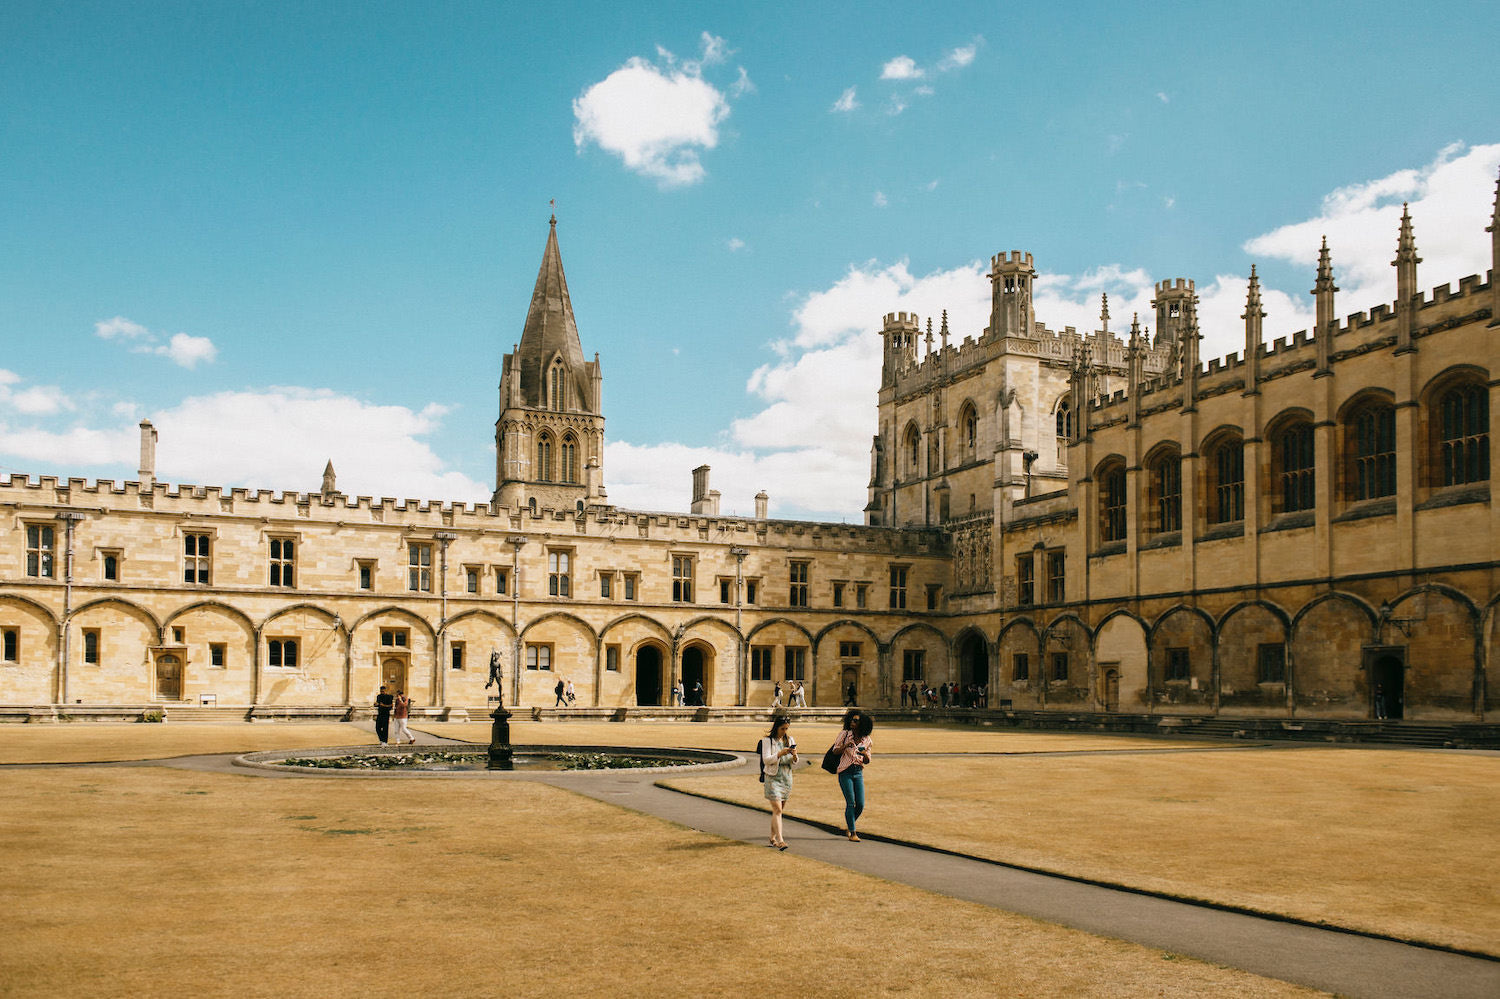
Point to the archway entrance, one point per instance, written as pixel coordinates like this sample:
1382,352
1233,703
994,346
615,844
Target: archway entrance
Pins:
973,663
648,675
694,675
168,678
849,685
1388,684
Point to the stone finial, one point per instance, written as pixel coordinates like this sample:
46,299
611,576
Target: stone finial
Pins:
330,481
1494,230
1406,281
1323,291
943,332
1104,312
929,336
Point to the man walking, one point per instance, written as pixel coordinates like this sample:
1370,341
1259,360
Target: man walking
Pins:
383,704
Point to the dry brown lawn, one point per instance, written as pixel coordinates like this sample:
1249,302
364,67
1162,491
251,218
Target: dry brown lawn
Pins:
152,881
100,742
1394,842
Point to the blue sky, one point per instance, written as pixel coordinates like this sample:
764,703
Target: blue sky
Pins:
293,232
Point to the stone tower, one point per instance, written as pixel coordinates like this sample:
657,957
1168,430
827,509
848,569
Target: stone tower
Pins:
1011,277
549,439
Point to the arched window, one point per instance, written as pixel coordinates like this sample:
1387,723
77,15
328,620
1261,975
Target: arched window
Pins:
544,457
1166,492
913,449
968,423
1293,457
569,456
1463,426
1065,420
555,387
1112,505
1227,489
1371,440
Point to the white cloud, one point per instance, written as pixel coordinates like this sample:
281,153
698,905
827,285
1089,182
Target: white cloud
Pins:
931,185
8,377
846,102
1161,96
658,119
880,199
119,326
188,351
902,68
1450,202
735,244
742,85
35,400
182,349
897,106
958,58
276,438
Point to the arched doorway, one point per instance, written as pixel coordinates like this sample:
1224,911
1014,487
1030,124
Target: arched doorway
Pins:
1388,686
168,678
849,686
694,675
648,675
973,663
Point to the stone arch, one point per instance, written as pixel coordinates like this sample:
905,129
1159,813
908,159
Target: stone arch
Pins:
650,622
558,616
971,652
480,632
920,652
130,606
1251,646
215,629
219,605
788,622
1019,638
322,672
1443,650
709,621
835,671
572,651
1067,651
1181,644
648,669
33,677
720,668
696,659
1120,648
1329,636
848,623
1489,701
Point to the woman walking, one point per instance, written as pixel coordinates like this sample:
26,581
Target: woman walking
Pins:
854,746
778,754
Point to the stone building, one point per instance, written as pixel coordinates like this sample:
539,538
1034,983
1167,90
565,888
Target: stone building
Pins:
1081,522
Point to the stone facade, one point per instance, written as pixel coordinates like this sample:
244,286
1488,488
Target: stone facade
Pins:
1079,521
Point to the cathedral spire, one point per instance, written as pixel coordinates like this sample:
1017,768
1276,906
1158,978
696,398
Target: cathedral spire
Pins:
1323,300
1253,333
1104,313
1406,281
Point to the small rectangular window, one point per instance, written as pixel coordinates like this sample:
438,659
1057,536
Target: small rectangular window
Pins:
539,657
471,579
179,636
40,550
419,567
849,650
798,594
606,584
109,566
1020,666
1271,663
1178,664
632,581
456,655
796,663
502,581
1059,665
861,595
394,638
682,579
367,575
281,653
1025,580
912,664
612,658
91,646
726,590
1057,590
11,639
218,655
934,591
760,662
898,587
751,588
559,573
838,594
283,562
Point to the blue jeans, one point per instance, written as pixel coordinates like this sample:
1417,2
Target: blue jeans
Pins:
852,783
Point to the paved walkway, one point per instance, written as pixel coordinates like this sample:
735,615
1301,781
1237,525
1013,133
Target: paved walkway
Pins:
1347,964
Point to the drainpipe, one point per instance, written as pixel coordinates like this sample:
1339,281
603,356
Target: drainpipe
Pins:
65,628
739,582
439,691
517,544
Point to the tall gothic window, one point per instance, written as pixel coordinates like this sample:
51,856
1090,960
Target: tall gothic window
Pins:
1373,471
1065,419
1166,489
969,424
555,386
913,444
1464,435
544,457
1228,465
1112,503
569,456
1294,455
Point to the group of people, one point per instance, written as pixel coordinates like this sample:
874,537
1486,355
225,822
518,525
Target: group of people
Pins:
681,696
946,695
387,707
778,755
795,694
566,697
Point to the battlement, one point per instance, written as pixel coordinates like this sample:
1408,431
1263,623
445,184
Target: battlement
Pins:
1014,260
1174,287
902,321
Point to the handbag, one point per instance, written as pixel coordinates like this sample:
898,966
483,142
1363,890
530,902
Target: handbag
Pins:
831,758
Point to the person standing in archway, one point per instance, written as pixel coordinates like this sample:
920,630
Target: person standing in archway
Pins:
698,694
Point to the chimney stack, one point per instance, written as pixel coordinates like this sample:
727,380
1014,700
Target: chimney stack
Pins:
147,471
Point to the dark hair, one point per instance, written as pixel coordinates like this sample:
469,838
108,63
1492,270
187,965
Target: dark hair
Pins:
776,722
860,721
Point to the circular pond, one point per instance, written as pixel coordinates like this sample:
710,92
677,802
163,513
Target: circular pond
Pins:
464,759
